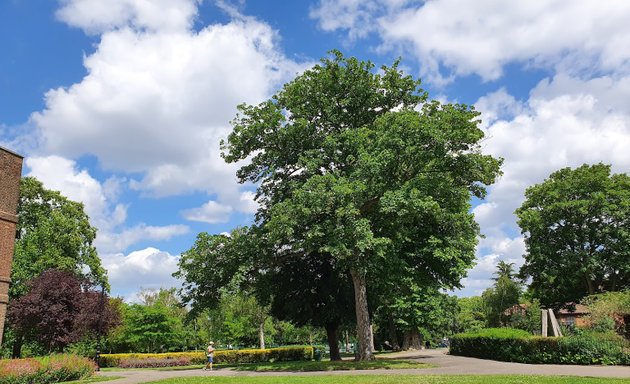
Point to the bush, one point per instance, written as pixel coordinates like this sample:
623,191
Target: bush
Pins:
293,353
53,369
519,346
154,363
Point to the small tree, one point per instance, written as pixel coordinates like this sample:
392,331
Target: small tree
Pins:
53,233
505,293
60,308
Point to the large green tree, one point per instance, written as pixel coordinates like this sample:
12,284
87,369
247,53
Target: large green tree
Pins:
53,233
360,166
576,226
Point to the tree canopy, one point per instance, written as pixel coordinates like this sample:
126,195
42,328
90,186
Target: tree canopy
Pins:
60,308
504,294
53,233
576,226
359,166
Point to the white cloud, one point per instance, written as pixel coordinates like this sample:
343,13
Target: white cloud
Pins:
124,238
481,37
247,202
97,16
211,212
146,268
566,122
355,16
158,95
108,216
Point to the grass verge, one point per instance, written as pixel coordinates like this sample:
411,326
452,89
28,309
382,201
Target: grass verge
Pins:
393,379
348,365
303,366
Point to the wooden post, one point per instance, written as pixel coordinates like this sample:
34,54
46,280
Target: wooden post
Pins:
554,324
543,314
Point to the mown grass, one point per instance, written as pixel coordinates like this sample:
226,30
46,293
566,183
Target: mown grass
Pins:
394,379
309,366
302,366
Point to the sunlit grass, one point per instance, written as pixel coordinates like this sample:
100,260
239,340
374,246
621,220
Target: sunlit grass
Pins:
393,379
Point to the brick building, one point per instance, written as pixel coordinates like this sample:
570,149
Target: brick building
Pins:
10,173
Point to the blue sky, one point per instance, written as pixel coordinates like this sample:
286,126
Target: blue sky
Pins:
122,104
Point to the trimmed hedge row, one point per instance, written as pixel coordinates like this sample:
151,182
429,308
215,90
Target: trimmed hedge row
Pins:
519,346
293,353
45,370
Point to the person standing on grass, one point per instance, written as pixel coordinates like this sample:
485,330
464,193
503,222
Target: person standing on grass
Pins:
210,355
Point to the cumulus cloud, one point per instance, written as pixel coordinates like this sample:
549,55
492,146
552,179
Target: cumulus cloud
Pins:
61,174
453,38
96,16
146,268
566,122
108,216
111,242
158,95
211,212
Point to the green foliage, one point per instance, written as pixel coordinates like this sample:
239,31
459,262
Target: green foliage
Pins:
528,318
54,233
507,344
608,310
52,369
576,231
504,294
145,328
420,309
359,167
209,268
471,315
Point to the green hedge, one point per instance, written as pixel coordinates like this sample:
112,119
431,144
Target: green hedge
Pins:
45,370
519,346
293,353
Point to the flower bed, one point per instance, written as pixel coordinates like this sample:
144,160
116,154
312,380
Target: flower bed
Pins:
293,353
53,369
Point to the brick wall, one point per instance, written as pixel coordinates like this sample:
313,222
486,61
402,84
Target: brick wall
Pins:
10,173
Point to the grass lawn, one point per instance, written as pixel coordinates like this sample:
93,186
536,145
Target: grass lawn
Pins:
303,366
393,379
306,366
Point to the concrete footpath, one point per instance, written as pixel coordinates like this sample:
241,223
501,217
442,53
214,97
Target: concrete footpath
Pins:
445,365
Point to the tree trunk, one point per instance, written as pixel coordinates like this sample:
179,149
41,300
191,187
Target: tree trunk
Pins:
589,284
347,342
412,340
393,335
372,338
261,334
333,341
363,351
16,352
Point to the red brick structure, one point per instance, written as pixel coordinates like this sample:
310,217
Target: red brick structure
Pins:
574,316
10,174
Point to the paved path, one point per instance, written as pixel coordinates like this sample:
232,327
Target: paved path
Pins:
445,365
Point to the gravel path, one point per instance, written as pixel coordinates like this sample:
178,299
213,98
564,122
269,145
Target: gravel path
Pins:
445,365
